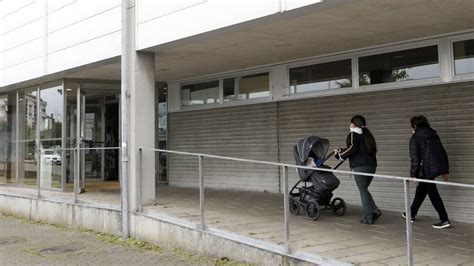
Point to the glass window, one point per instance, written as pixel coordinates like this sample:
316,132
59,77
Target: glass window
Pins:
163,130
71,128
413,64
27,171
463,57
247,87
51,120
200,93
319,77
7,138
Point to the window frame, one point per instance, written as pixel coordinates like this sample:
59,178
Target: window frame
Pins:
244,75
307,63
220,78
451,41
197,82
398,48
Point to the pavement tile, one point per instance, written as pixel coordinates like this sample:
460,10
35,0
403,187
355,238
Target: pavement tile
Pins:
320,249
364,258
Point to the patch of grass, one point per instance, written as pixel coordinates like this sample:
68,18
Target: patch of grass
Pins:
218,262
252,234
30,221
226,261
130,242
190,256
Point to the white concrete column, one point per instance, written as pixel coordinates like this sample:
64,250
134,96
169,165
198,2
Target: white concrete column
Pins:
138,115
142,128
279,82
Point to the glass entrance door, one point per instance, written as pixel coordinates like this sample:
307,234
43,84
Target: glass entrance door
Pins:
74,137
92,124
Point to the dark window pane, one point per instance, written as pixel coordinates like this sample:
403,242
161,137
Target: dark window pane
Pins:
247,87
463,57
200,93
413,64
8,137
323,76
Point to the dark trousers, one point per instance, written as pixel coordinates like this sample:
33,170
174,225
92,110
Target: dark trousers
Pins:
363,183
431,190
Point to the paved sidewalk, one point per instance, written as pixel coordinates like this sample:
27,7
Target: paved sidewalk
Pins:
24,242
260,216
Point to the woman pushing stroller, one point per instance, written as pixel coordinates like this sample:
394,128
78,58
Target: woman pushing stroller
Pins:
361,151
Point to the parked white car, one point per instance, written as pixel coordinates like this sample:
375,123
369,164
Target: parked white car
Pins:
52,157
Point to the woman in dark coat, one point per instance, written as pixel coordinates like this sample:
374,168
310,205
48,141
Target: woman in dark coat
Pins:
361,151
428,160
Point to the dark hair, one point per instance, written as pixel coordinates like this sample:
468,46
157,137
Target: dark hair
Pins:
369,140
419,121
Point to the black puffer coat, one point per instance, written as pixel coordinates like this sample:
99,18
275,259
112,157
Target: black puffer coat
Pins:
428,156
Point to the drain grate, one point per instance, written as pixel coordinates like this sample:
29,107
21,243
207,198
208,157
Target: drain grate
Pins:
64,249
11,240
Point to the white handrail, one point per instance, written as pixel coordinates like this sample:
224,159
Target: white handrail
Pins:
313,168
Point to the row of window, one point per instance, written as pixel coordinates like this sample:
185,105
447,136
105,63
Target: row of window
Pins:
399,66
238,88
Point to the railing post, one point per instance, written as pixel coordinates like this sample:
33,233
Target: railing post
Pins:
38,174
202,225
139,181
286,209
408,222
75,159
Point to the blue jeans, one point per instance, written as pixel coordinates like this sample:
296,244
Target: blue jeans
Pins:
363,183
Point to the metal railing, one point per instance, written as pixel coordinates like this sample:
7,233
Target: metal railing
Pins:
284,167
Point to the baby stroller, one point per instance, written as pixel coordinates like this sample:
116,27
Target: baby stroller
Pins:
311,199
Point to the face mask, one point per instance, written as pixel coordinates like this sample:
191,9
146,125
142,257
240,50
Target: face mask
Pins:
412,131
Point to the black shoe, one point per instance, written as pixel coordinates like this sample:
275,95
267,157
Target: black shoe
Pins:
367,220
377,215
442,224
404,215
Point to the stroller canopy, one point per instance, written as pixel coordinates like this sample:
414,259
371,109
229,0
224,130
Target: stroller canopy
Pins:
311,145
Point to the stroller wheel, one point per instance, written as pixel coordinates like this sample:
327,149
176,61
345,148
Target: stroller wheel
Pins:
294,207
312,210
338,206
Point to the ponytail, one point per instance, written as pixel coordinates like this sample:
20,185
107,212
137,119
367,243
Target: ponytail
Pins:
369,141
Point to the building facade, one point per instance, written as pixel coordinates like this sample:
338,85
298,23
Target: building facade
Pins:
243,79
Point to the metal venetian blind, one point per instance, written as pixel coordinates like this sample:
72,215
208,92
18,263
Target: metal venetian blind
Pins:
450,110
244,132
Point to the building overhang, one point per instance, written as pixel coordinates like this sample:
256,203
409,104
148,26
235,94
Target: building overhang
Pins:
324,28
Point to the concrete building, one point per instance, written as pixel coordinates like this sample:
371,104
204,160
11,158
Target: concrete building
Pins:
243,79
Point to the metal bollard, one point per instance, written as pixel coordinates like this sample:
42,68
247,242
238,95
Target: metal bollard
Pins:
76,174
140,181
202,225
38,175
286,209
408,222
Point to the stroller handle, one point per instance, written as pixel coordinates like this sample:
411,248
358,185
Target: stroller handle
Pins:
329,156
